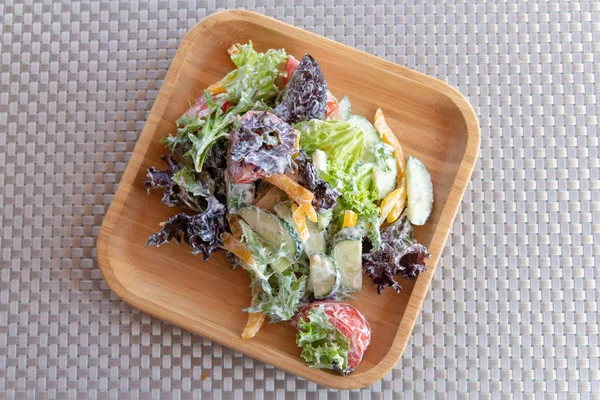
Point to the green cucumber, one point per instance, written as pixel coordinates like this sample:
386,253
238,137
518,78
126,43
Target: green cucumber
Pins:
284,211
276,231
385,178
316,241
319,158
347,253
324,275
419,192
324,218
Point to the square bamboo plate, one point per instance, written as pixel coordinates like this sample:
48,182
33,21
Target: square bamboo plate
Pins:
432,122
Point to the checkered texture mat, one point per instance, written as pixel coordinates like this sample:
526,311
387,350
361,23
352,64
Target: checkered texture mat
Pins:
513,307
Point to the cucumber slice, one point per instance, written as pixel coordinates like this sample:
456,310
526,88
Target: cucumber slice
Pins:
284,211
419,192
281,265
348,233
324,275
345,109
275,231
347,254
385,178
324,218
316,241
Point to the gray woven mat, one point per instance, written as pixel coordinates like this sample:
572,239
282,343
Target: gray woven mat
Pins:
513,307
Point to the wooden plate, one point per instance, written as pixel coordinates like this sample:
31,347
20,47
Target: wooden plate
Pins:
432,121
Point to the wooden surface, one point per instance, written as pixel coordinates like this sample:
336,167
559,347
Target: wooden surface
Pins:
432,122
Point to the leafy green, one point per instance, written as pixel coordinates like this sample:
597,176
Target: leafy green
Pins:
343,143
340,140
251,86
323,345
262,251
278,296
187,180
382,153
254,77
186,125
215,126
239,195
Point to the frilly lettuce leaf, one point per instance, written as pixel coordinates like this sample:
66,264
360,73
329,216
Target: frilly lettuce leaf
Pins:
399,254
250,86
278,296
186,125
305,96
201,231
325,196
173,194
254,77
187,179
343,143
340,140
323,345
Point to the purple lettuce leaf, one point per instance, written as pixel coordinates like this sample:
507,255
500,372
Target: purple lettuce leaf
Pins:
262,145
325,197
182,186
305,96
399,254
201,231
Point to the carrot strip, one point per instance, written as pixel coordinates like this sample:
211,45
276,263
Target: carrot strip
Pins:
296,192
232,244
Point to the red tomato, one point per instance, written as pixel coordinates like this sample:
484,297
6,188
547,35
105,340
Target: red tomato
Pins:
290,68
350,322
225,106
200,108
332,106
241,172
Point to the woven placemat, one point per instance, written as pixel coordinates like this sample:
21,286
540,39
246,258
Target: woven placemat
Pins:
513,307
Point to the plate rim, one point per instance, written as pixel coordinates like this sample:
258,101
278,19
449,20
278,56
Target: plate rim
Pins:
438,239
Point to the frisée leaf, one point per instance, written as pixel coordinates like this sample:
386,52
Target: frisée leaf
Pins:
278,296
254,77
323,345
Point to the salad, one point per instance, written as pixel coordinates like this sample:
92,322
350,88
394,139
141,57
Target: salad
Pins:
306,196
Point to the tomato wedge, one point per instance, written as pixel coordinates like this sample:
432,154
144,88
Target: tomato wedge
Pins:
332,106
350,322
290,67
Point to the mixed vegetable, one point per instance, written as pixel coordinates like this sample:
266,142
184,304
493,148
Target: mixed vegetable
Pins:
300,192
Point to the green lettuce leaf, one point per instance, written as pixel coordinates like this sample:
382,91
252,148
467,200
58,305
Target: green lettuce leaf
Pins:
278,296
254,77
323,345
343,143
251,86
186,125
340,140
187,180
